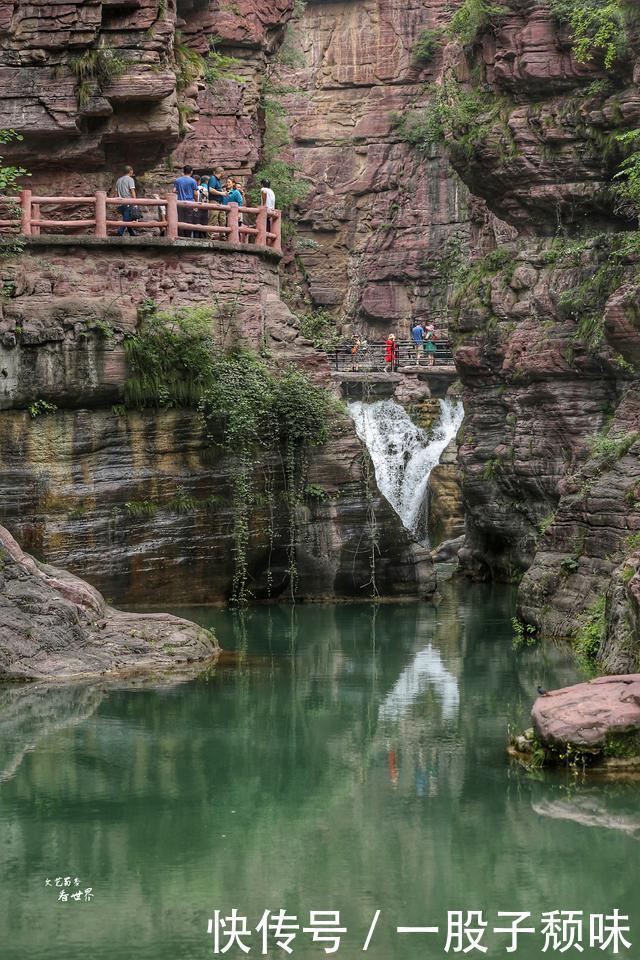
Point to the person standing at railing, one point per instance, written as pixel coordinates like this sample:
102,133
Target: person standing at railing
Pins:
186,189
429,345
203,197
391,354
268,200
126,189
234,195
217,194
417,336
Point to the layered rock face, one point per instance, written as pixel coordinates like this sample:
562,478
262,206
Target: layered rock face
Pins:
380,220
546,331
543,146
141,503
91,85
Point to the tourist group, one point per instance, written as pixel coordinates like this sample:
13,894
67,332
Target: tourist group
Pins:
191,187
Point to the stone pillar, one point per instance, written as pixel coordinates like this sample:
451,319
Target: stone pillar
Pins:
101,213
261,226
233,223
172,216
276,227
25,206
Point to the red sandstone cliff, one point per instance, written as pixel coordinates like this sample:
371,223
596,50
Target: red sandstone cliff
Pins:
91,84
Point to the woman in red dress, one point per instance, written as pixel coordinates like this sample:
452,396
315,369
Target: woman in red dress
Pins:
391,353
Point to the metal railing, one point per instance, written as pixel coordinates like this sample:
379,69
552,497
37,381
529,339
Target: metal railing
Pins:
371,357
172,219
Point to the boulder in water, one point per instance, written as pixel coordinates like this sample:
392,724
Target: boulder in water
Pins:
54,625
599,719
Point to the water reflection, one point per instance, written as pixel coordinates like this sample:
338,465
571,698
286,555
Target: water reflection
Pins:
31,712
425,669
351,758
612,806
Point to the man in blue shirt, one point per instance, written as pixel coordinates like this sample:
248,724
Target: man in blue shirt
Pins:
186,188
417,335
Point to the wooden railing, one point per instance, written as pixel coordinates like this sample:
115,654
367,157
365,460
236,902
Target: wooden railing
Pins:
254,225
372,357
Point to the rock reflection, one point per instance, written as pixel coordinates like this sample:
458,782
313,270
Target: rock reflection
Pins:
31,712
612,807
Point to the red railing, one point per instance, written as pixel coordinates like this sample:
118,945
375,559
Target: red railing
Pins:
254,225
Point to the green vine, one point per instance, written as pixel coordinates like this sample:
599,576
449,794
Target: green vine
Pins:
248,409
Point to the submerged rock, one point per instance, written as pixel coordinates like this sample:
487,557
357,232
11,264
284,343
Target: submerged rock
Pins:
600,718
55,625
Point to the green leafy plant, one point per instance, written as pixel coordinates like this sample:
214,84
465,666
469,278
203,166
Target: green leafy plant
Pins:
189,64
598,28
426,46
313,491
40,407
247,408
455,115
589,636
320,327
627,190
524,634
546,523
10,175
140,508
217,66
610,449
93,69
170,357
473,17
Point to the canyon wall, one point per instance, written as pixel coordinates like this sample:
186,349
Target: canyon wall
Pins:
381,221
92,84
546,327
141,503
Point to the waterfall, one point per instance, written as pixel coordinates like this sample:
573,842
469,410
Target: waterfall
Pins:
403,455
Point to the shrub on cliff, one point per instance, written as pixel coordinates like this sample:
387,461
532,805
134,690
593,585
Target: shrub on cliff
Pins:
10,177
473,17
180,358
598,28
320,327
627,189
170,357
426,46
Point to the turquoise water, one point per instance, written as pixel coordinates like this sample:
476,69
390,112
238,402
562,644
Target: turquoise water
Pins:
352,759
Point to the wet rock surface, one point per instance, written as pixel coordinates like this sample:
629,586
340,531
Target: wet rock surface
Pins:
55,625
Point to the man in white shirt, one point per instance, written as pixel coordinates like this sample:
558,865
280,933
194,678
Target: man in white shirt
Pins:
268,200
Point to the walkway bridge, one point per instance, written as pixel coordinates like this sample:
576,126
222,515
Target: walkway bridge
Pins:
367,370
95,216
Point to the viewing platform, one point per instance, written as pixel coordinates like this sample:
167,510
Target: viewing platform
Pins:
94,217
370,359
367,371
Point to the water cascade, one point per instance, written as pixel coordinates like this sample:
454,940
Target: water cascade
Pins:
404,455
